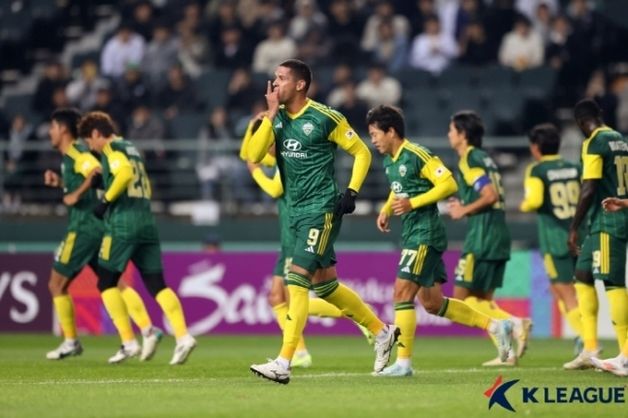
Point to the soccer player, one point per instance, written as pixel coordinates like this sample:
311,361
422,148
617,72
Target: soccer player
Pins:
552,187
418,180
603,252
130,235
616,365
306,135
82,240
277,297
487,244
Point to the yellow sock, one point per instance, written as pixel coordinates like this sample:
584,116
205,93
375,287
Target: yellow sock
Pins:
405,319
116,308
281,311
618,304
65,311
321,308
588,305
349,303
487,307
298,289
171,306
135,307
462,313
624,349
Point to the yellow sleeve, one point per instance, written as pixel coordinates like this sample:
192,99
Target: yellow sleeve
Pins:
122,172
444,183
261,140
471,174
348,140
85,163
592,167
245,141
268,161
271,187
533,197
387,208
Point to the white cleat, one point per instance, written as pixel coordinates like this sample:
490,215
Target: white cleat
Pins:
616,365
502,333
301,360
272,371
582,361
183,349
124,353
510,361
383,347
65,349
522,328
150,343
395,370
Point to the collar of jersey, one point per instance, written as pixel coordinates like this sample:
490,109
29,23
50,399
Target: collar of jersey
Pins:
300,112
401,147
467,151
551,157
107,149
597,131
72,152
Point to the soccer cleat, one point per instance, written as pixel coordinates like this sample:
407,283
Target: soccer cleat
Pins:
302,360
383,346
183,349
582,361
370,338
273,371
503,335
124,353
521,332
510,361
395,370
150,342
616,365
578,346
65,349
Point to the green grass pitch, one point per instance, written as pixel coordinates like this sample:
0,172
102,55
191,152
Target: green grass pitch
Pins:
216,381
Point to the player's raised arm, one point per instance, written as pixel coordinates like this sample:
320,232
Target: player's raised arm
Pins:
88,167
444,183
264,137
271,186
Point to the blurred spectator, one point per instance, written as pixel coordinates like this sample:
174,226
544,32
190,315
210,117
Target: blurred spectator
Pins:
275,49
379,88
602,91
178,95
522,48
193,51
343,73
225,16
468,11
132,89
126,47
20,133
314,48
422,10
192,17
240,91
391,47
82,91
557,53
54,77
161,54
105,103
144,125
233,52
384,10
499,19
260,14
353,107
346,26
542,22
530,8
143,19
474,47
432,50
306,18
59,98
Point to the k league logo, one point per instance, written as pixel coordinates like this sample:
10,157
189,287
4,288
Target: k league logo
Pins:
497,393
292,145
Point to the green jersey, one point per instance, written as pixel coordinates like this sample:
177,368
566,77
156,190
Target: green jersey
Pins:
129,215
76,166
306,146
488,237
605,159
555,184
413,172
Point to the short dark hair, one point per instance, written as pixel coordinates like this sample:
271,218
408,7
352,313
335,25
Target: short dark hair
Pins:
471,124
587,109
546,137
386,117
68,117
300,70
100,121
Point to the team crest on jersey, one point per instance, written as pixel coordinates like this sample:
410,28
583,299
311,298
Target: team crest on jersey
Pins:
279,125
307,128
403,170
396,187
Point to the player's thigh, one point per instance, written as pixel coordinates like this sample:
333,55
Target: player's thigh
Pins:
479,275
584,264
609,261
559,269
115,253
422,265
314,238
74,253
147,257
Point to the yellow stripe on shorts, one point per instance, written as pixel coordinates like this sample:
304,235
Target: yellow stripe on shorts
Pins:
605,253
325,235
420,259
105,248
68,245
468,268
550,267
